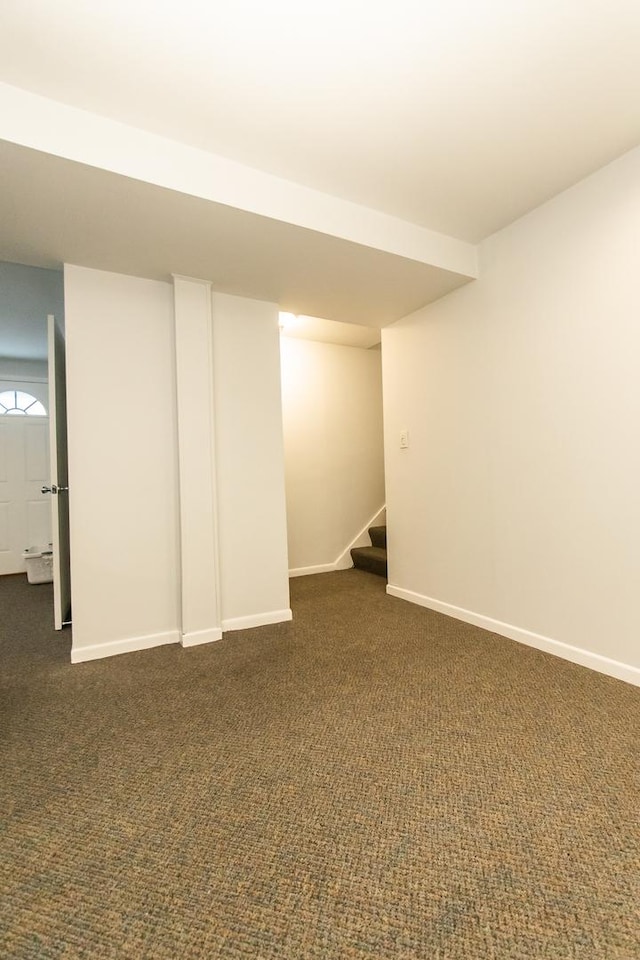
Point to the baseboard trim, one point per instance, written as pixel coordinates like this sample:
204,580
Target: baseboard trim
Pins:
585,658
344,561
307,571
98,651
196,637
257,620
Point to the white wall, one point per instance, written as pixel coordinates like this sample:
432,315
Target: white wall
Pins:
332,414
250,462
124,491
12,369
517,499
27,296
123,474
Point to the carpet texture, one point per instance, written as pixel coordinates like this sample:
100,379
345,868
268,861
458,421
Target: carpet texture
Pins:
372,780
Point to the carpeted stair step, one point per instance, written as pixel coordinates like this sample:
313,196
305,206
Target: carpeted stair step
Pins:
371,559
378,536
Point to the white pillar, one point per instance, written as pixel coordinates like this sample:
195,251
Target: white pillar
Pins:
254,568
201,621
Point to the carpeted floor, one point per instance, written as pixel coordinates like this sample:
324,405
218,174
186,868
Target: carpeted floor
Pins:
372,780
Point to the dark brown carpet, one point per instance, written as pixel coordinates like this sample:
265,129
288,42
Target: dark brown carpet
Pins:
370,781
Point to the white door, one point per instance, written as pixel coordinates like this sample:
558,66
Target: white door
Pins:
25,514
59,485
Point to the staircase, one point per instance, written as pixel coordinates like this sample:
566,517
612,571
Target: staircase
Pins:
373,559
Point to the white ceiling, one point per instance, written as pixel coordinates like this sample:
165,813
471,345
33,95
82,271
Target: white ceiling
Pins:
459,116
328,331
322,155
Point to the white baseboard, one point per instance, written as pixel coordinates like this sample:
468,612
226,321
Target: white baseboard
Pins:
344,561
257,620
585,658
197,637
307,571
99,650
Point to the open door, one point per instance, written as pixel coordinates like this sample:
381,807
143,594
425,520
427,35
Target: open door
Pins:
59,476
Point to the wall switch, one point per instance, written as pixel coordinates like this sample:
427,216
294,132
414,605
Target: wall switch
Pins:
404,439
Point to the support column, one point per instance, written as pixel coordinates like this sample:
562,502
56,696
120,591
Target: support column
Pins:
201,621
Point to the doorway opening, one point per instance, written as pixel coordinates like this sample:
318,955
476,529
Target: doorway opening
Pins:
31,298
333,443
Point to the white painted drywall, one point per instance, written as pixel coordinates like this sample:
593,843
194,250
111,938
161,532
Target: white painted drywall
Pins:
53,127
517,498
250,462
332,415
31,370
27,296
123,470
201,618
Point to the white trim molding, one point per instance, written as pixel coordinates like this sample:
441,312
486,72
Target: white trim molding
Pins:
585,658
129,645
199,555
344,561
307,571
257,620
196,637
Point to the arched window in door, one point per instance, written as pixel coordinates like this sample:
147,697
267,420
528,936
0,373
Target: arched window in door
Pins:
17,402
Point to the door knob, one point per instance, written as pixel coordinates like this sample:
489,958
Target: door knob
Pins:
51,489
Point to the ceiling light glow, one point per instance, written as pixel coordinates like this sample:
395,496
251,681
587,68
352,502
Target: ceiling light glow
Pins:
287,320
